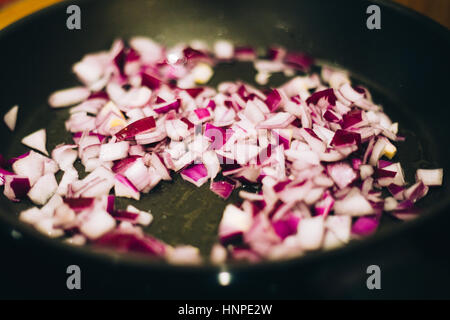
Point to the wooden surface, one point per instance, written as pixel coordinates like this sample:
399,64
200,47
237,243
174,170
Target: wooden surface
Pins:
13,10
438,10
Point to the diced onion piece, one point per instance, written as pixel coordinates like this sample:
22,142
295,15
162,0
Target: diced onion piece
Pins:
124,188
43,189
10,118
197,174
223,49
218,254
185,255
97,223
114,151
430,177
279,120
16,187
31,166
31,215
68,97
338,231
65,156
354,204
37,140
310,233
144,218
234,224
222,188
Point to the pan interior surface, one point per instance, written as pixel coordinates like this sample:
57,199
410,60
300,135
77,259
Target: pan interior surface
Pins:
403,65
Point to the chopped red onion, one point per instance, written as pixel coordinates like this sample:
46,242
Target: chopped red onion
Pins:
233,225
16,187
365,226
79,204
196,174
124,188
222,188
318,160
135,128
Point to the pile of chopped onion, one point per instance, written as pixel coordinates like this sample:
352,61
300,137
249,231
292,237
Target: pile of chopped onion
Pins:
318,149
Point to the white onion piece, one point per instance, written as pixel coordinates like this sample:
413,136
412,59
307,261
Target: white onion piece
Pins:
91,67
55,201
159,167
31,215
377,151
65,156
365,171
390,204
349,93
223,49
31,166
234,220
68,97
37,140
154,179
338,231
10,118
64,216
97,183
43,189
176,129
354,204
279,120
90,106
76,240
46,227
70,175
310,233
114,151
149,50
253,113
184,255
211,163
430,177
135,98
145,218
124,188
218,254
138,174
97,223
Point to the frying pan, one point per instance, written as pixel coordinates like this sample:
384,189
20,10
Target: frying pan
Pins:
405,64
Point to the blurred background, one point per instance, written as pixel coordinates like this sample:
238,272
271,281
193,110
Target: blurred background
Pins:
11,10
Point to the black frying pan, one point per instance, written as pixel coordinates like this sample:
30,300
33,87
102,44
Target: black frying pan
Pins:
405,64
